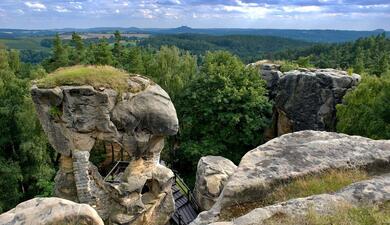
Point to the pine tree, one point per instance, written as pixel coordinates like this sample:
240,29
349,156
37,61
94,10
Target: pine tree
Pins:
358,66
60,54
78,53
102,54
117,50
132,60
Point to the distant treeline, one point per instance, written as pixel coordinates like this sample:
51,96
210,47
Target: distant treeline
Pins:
248,48
366,55
318,36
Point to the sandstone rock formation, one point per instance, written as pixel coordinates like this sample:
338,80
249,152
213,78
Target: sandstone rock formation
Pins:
292,156
365,193
271,74
307,99
211,176
137,119
51,211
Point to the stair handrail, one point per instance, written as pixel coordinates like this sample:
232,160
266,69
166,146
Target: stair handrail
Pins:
183,186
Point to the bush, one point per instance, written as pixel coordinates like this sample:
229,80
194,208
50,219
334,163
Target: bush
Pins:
224,111
366,110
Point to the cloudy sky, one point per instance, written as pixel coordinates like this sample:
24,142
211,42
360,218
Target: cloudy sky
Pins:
298,14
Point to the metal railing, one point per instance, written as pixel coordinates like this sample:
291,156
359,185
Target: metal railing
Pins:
186,190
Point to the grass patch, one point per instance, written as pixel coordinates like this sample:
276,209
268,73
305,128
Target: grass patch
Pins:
327,182
344,215
95,76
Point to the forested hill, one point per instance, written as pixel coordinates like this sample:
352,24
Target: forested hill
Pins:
319,36
248,48
366,55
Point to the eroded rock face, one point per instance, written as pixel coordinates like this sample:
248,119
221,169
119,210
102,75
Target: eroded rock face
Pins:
370,192
76,117
292,156
51,211
271,74
211,176
307,99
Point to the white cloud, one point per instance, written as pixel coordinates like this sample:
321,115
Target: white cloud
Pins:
302,9
36,6
76,5
248,10
20,11
61,9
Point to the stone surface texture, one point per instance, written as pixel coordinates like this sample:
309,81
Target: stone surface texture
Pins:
306,99
211,176
75,118
292,156
51,211
370,192
271,74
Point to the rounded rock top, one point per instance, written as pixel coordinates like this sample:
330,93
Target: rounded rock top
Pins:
99,77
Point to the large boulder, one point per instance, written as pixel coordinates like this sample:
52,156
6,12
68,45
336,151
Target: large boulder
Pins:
361,194
307,99
51,211
211,176
130,112
293,156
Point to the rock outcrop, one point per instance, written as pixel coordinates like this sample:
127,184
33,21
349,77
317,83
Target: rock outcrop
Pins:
307,99
365,193
136,119
292,156
211,176
51,211
271,73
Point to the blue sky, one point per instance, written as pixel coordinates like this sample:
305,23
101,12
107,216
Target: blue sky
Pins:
296,14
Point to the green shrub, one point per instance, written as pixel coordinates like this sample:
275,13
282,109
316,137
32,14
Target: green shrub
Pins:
286,66
224,111
366,110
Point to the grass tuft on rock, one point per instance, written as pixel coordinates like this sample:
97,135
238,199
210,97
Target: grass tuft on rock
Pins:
326,182
344,215
95,76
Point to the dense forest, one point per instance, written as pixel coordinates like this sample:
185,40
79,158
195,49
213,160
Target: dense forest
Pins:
248,48
317,36
366,55
222,105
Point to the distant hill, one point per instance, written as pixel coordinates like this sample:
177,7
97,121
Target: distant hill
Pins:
320,36
247,47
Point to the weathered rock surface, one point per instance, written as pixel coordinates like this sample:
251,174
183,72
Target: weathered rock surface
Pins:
75,118
292,156
370,192
211,176
51,211
307,99
271,74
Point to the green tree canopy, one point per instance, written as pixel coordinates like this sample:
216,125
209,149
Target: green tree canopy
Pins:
101,53
172,69
366,110
26,159
223,112
77,55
